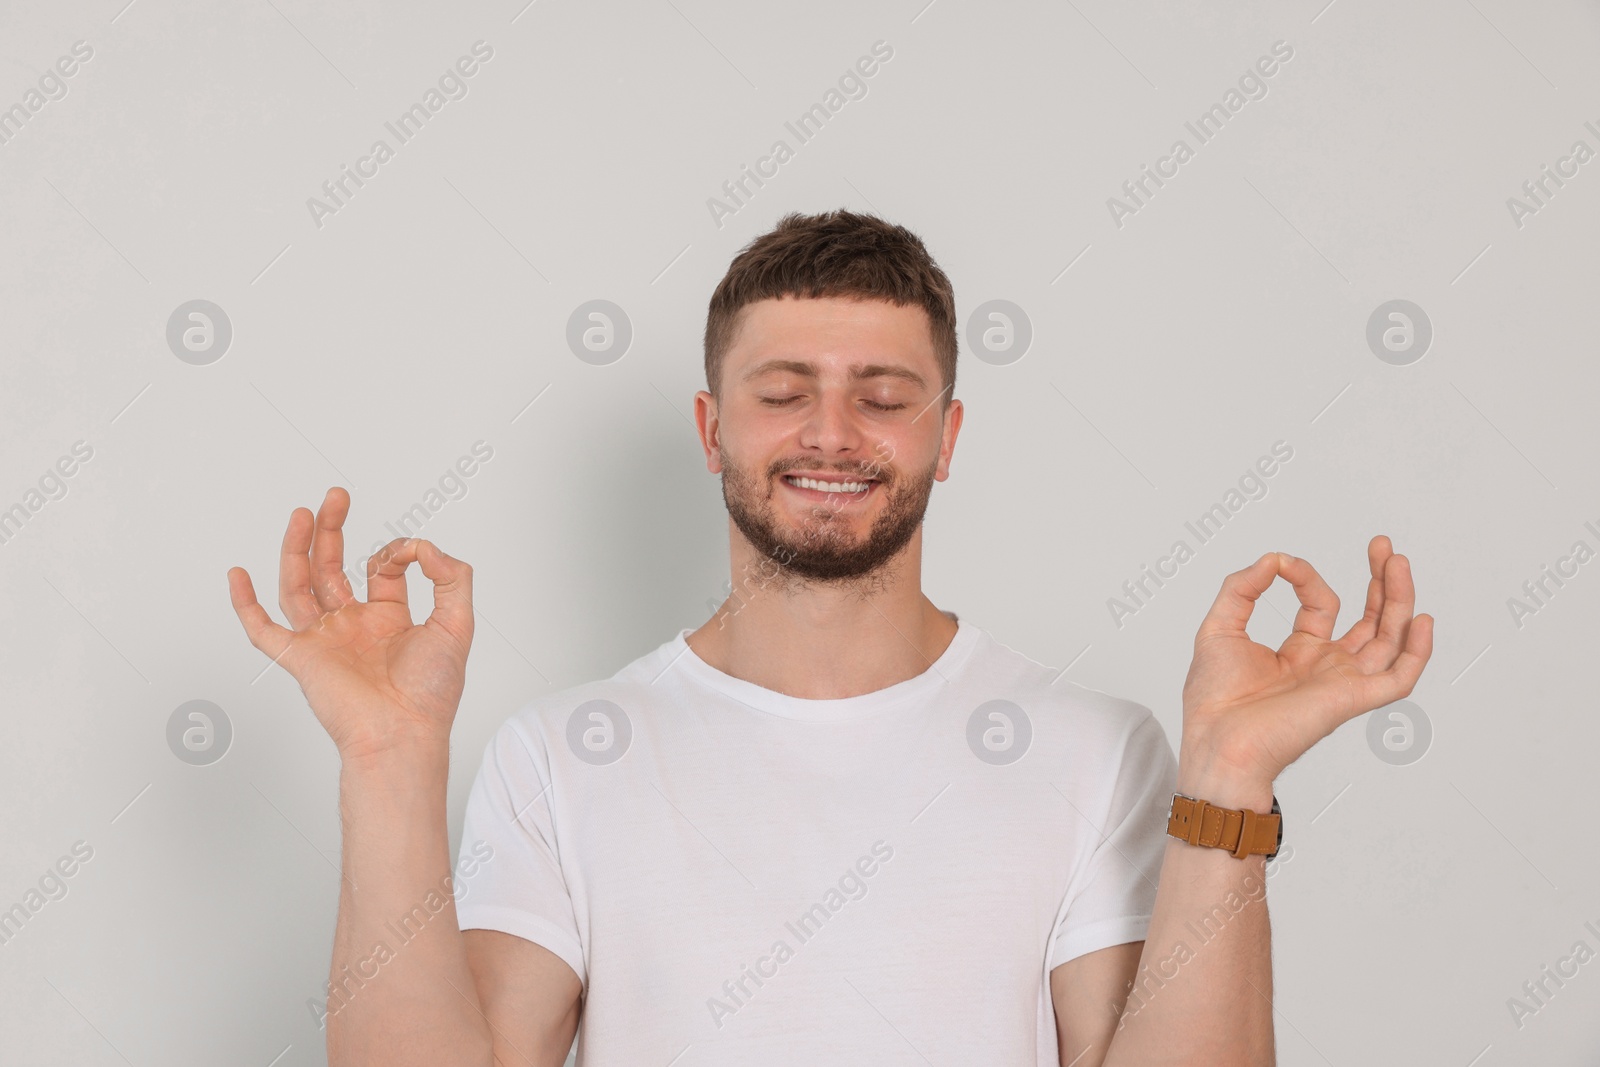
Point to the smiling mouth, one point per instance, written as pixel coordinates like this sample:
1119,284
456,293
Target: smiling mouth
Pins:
849,486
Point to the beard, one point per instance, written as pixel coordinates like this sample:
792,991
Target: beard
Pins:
823,550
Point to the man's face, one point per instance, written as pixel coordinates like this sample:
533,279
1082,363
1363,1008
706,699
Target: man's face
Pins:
829,434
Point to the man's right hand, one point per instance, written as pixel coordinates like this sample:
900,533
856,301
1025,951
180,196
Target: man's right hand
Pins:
387,692
375,681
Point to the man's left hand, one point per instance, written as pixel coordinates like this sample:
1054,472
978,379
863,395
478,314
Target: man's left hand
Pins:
1250,711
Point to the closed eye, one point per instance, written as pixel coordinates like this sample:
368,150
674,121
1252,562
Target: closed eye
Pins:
781,401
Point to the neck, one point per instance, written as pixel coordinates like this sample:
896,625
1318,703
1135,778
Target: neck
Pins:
824,641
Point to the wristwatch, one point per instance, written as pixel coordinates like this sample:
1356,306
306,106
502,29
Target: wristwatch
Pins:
1243,833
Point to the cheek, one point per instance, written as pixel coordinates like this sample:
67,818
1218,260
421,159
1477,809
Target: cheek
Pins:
904,450
763,435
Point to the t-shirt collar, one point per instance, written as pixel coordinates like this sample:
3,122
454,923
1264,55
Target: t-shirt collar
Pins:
925,685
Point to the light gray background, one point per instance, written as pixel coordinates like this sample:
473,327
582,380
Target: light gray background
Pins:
371,352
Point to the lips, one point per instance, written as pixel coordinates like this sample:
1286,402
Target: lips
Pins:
847,491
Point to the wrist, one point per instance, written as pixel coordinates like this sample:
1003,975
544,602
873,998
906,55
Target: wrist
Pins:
1217,783
406,764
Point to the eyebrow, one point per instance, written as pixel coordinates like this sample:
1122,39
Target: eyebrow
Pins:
858,371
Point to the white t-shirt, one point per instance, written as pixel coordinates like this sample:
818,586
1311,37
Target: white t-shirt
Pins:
743,877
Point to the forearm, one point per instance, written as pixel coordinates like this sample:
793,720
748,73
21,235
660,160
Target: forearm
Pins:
1202,991
400,989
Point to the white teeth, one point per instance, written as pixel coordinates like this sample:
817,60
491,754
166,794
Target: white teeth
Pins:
827,487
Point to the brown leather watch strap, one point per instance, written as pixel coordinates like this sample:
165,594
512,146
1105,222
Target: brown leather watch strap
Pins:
1243,833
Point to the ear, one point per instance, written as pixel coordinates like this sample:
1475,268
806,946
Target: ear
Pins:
947,443
709,428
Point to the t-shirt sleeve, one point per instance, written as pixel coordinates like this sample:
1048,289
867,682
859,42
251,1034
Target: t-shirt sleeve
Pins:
1112,899
519,888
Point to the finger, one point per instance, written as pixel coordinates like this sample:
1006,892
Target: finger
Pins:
1399,603
294,571
265,634
330,583
452,591
1379,549
1400,679
1319,604
386,571
1230,611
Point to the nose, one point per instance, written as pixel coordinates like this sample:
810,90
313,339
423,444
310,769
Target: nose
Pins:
833,427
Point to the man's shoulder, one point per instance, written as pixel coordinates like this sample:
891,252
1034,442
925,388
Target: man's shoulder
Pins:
1087,740
1050,690
1048,695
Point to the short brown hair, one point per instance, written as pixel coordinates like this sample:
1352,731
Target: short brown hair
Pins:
835,253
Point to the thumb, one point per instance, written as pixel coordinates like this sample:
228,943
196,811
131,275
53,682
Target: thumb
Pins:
452,591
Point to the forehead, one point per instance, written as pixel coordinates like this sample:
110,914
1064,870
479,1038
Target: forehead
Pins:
829,330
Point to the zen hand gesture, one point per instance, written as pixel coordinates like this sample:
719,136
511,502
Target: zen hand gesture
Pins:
1251,711
374,680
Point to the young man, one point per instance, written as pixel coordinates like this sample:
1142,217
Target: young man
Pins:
834,824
